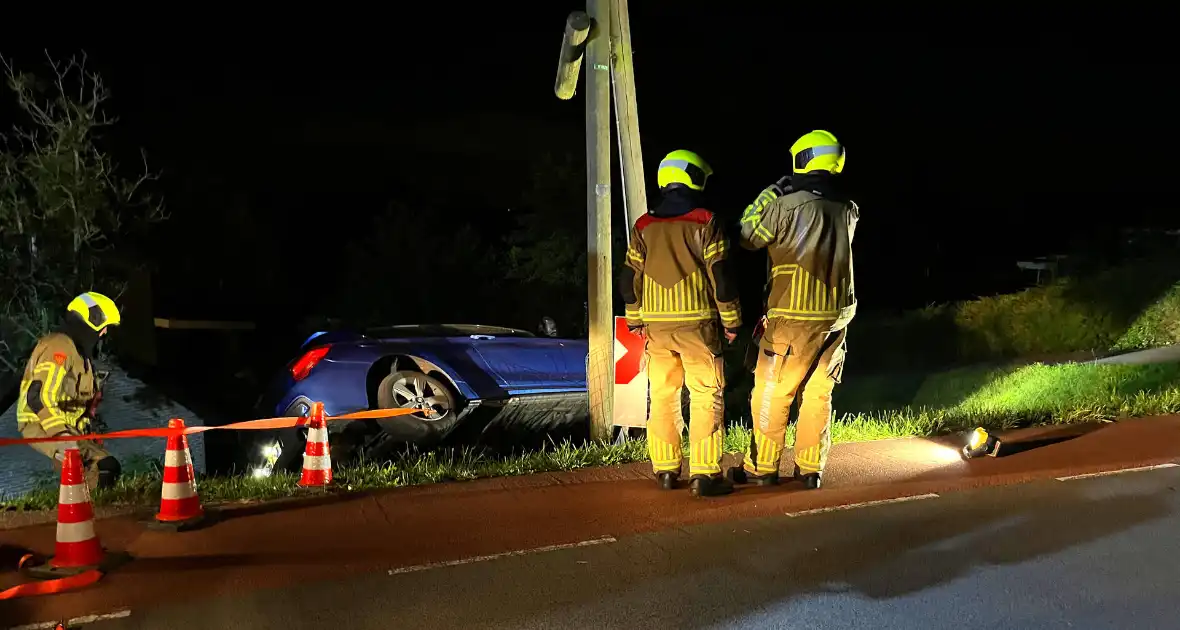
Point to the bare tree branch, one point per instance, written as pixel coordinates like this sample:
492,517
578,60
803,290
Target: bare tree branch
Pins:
65,205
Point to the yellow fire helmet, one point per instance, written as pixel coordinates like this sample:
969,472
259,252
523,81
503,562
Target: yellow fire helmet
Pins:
96,309
817,151
684,167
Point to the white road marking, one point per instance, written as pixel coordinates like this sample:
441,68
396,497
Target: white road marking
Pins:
916,497
76,621
507,554
1118,472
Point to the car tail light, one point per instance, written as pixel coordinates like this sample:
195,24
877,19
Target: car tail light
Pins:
301,368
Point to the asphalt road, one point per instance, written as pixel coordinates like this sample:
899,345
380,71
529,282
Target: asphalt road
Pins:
1165,354
1089,553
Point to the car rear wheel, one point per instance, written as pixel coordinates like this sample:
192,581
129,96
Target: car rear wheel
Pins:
436,405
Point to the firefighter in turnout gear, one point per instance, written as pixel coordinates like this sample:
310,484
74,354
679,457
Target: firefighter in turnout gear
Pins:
60,390
677,288
807,229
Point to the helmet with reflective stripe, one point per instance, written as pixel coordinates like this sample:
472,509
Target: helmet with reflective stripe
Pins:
96,309
684,167
817,151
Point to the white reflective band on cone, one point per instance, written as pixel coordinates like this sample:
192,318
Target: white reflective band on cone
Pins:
75,532
177,459
314,462
70,495
317,435
62,447
174,491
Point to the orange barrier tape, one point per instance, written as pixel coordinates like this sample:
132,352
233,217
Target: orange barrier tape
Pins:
264,424
49,587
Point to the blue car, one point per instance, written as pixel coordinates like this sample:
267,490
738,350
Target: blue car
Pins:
448,373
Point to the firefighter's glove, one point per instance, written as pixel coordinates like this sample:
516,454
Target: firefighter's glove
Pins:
759,329
92,407
779,188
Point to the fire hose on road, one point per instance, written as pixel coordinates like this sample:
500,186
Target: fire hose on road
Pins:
80,560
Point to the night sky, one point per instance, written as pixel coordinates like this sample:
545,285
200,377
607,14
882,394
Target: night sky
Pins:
965,152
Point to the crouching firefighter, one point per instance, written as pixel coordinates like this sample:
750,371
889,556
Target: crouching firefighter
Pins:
60,389
680,296
807,229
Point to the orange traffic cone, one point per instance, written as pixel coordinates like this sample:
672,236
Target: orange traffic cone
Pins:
317,460
180,505
78,549
79,559
77,544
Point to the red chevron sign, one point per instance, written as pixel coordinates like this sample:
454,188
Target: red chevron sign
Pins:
627,365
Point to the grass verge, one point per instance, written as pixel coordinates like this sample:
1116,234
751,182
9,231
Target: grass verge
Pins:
952,401
1130,307
1006,398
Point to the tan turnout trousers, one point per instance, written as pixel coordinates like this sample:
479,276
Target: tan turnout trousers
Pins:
90,451
794,358
679,355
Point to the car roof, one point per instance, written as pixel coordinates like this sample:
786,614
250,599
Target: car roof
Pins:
444,330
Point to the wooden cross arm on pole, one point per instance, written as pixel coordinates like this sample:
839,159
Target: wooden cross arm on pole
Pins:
573,48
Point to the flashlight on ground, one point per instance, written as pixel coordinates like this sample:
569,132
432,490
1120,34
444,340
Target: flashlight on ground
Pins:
981,443
270,453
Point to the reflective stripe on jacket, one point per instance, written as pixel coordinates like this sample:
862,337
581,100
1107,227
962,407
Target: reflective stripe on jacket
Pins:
809,240
677,271
57,387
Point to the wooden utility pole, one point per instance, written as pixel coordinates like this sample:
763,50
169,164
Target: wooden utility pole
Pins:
600,377
601,37
600,364
626,114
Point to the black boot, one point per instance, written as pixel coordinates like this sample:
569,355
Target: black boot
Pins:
709,486
738,476
667,480
811,481
109,472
